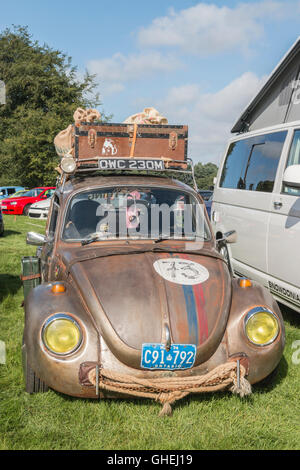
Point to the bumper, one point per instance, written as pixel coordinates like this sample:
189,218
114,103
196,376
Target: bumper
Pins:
13,210
167,390
38,214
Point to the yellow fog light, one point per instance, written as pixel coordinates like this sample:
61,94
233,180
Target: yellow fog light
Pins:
61,334
261,326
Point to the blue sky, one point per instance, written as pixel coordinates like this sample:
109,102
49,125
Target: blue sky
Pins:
198,63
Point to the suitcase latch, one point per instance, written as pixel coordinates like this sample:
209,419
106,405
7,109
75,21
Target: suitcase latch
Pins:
92,138
173,140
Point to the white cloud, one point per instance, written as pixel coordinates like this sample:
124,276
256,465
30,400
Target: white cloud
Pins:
207,28
209,116
113,72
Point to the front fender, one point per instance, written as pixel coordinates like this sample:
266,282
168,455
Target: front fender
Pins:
262,359
59,372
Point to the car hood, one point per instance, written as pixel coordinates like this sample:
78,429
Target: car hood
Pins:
132,298
41,204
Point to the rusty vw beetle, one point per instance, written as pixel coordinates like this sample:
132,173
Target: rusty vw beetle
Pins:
140,300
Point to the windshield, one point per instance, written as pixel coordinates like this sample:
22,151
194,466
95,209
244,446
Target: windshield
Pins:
18,193
135,212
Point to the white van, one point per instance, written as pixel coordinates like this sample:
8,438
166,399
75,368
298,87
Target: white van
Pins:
257,191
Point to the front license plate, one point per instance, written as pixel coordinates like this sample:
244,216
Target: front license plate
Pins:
4,207
180,356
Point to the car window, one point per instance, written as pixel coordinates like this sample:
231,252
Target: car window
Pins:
49,193
33,192
135,212
11,191
293,159
251,164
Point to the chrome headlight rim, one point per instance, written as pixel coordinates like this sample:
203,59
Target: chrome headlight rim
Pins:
260,309
64,316
68,164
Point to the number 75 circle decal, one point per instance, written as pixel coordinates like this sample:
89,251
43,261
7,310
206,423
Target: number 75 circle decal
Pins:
181,271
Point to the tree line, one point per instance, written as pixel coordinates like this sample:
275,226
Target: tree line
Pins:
42,91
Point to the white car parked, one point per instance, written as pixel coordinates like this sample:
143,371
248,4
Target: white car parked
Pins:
40,209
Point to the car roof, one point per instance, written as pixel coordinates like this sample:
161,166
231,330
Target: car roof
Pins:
2,187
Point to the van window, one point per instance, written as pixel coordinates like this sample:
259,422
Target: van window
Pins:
251,164
11,191
235,164
294,159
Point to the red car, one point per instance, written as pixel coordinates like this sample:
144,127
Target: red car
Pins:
20,205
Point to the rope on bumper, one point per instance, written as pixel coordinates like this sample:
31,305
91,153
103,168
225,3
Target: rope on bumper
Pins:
167,390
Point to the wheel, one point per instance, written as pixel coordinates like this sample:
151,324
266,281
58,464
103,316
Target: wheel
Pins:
32,383
26,209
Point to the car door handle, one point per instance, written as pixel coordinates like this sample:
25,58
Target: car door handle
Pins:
277,204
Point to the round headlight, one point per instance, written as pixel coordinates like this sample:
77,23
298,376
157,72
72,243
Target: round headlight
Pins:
68,164
61,334
261,326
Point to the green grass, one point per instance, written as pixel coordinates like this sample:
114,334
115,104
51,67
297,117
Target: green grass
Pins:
268,419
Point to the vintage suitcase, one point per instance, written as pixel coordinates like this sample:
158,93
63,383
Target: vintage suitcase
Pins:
94,140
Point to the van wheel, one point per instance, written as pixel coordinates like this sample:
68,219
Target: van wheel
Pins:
26,209
32,383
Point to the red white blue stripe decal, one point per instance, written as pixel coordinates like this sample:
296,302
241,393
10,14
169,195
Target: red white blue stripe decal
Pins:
195,308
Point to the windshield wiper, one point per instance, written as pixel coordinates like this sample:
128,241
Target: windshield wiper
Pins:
169,237
93,237
87,241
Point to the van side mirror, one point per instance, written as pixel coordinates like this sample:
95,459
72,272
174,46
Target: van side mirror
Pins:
229,237
291,176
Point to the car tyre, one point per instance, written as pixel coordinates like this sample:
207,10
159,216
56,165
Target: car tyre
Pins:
32,383
26,209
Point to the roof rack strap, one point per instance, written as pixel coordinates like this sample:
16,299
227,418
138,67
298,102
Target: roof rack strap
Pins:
133,140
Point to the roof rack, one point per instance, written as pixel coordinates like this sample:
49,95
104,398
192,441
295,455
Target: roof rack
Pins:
128,165
124,147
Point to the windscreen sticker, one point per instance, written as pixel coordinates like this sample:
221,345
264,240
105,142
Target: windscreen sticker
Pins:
181,271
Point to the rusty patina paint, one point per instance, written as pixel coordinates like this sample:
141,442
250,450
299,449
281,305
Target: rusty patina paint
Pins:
121,302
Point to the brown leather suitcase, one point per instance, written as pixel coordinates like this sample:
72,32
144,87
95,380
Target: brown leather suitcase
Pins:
96,140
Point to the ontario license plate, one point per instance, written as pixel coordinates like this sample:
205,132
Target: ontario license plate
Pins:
180,356
4,207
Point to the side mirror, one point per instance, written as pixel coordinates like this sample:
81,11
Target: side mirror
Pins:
229,237
34,238
291,176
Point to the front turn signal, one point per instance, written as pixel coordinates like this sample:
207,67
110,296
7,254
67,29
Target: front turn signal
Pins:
244,282
58,288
